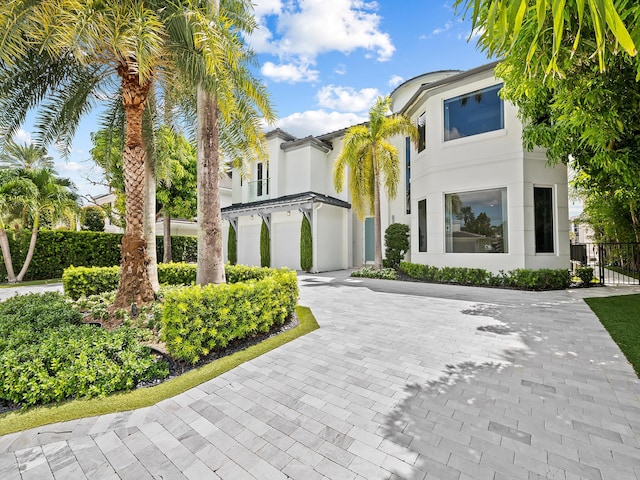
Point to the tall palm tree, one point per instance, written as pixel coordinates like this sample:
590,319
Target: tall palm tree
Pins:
499,23
22,155
75,52
39,192
370,158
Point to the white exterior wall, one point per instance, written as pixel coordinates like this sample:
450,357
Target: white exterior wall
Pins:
249,240
479,162
297,171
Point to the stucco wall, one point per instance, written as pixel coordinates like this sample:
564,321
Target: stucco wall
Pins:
330,238
285,240
249,240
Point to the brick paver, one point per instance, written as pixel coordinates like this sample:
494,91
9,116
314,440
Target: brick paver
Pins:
402,381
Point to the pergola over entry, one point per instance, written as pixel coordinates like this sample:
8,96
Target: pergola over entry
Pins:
304,202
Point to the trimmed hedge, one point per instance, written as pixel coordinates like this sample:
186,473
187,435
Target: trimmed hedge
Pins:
306,245
265,245
48,356
522,279
58,249
200,319
232,246
85,281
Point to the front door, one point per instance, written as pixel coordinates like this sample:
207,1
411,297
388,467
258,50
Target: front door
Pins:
369,241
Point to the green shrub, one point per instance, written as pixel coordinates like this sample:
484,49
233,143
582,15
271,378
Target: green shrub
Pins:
232,246
543,279
396,240
93,219
371,272
200,319
47,355
585,274
265,245
85,281
57,250
306,245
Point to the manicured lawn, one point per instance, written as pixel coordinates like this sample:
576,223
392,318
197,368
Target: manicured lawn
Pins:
621,317
30,283
37,416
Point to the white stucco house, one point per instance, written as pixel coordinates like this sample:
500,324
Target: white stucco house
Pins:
471,194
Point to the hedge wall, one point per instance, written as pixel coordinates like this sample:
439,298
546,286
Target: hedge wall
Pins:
59,249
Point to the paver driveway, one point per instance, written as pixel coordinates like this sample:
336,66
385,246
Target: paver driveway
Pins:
402,381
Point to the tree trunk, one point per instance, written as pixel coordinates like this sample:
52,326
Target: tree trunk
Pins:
150,223
210,257
134,286
32,247
6,256
377,235
166,241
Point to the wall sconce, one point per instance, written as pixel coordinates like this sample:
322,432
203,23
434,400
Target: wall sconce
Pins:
251,217
288,213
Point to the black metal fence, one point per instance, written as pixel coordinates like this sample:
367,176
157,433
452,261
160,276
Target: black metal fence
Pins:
613,263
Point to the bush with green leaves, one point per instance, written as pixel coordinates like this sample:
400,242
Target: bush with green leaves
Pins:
200,319
47,355
522,279
371,272
232,246
85,281
306,245
265,245
585,274
396,240
92,218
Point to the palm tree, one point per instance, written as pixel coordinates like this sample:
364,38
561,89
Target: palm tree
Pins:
39,192
370,158
26,156
500,22
98,47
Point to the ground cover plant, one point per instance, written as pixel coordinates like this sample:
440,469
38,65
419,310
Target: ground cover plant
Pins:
619,315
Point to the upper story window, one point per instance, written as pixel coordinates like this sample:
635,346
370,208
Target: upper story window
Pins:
473,113
422,131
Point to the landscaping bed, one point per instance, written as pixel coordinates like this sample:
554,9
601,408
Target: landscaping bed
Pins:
50,354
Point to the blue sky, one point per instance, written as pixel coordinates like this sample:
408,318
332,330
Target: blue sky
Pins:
324,62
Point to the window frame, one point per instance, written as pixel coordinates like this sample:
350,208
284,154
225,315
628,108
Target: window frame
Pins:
483,90
551,191
426,228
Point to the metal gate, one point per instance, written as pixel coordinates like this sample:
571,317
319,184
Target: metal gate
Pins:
612,263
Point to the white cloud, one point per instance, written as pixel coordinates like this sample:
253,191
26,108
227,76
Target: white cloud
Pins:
22,136
340,69
346,99
289,72
317,122
442,29
395,80
69,167
306,28
471,35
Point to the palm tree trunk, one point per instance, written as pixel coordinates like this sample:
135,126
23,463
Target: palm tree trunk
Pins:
377,235
210,257
166,241
134,286
32,247
150,224
6,256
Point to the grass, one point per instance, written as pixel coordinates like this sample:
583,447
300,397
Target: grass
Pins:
31,283
619,315
144,397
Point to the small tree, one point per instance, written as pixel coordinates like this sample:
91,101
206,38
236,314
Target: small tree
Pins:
396,240
306,245
93,219
232,246
265,246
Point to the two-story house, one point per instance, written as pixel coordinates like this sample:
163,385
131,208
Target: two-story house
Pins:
471,194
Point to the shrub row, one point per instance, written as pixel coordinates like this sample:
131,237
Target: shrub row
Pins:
198,320
46,355
523,279
84,281
372,272
59,249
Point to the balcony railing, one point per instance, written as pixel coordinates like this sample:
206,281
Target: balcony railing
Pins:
259,190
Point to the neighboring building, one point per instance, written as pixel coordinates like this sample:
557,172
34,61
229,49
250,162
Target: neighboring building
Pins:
179,226
471,194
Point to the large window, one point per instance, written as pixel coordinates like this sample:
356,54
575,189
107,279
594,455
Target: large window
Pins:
543,213
476,222
476,112
407,164
422,226
422,132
